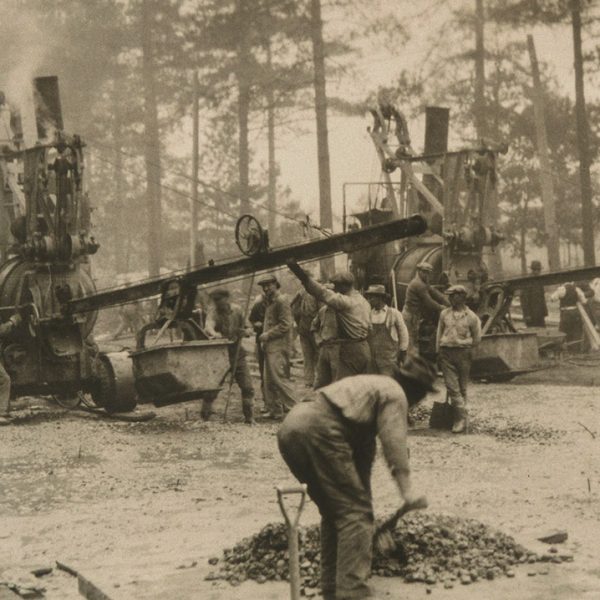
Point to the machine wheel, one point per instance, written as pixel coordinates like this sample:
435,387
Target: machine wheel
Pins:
69,401
249,235
109,391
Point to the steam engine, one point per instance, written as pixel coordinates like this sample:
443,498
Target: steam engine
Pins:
45,247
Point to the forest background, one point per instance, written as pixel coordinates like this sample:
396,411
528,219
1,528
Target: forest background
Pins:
281,90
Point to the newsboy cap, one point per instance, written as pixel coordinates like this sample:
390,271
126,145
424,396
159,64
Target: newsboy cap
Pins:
456,289
342,277
269,278
219,293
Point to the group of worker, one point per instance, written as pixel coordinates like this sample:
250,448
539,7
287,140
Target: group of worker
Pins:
578,302
342,333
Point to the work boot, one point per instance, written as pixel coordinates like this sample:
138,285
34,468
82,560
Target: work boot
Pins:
460,420
248,410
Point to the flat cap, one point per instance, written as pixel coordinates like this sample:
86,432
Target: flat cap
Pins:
269,278
424,266
376,290
219,293
342,277
456,289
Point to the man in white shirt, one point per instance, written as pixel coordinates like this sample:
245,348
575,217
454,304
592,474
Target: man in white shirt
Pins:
459,330
389,335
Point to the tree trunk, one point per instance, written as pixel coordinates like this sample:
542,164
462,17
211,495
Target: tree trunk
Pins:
121,232
243,106
479,100
194,259
151,142
546,183
325,211
583,145
272,188
523,238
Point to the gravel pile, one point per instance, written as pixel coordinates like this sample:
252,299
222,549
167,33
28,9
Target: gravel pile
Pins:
431,549
514,431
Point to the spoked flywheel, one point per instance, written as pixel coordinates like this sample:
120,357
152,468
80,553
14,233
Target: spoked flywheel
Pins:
250,236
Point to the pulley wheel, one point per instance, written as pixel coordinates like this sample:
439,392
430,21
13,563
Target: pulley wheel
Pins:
114,389
249,235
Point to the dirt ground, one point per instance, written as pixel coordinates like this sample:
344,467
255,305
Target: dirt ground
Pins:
138,508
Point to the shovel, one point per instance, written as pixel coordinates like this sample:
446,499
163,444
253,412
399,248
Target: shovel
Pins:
291,521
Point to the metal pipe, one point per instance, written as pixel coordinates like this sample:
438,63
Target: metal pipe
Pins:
342,242
557,277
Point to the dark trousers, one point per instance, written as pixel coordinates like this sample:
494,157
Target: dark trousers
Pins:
328,364
354,359
279,394
456,366
310,353
316,443
571,325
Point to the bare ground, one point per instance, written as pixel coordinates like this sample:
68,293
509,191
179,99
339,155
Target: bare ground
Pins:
140,507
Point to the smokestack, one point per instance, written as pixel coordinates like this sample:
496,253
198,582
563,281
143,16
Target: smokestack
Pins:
437,119
48,113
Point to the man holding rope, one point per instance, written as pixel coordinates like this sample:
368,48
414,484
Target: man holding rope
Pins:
227,320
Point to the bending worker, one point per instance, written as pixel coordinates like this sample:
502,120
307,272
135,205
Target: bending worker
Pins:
227,320
329,444
389,336
421,299
459,330
353,317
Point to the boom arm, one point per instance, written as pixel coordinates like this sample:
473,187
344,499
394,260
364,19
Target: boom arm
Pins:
558,277
341,242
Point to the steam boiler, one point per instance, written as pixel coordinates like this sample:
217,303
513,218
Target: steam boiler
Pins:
45,247
455,191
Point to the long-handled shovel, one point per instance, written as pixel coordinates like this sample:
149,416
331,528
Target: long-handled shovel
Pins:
291,522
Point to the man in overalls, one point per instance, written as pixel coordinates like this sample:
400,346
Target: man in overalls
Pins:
389,335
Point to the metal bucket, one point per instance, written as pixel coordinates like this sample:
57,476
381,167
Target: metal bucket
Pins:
172,373
501,356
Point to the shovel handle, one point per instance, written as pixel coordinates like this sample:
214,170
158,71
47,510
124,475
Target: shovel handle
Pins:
287,491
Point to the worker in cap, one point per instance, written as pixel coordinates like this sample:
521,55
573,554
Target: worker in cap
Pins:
422,302
304,310
278,393
352,313
267,279
533,299
459,331
329,441
388,339
227,320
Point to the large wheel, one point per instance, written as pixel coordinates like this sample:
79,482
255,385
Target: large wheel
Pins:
113,388
249,235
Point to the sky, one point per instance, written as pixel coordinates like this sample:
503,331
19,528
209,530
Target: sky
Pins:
352,152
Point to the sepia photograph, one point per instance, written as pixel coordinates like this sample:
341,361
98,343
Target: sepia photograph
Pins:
300,299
